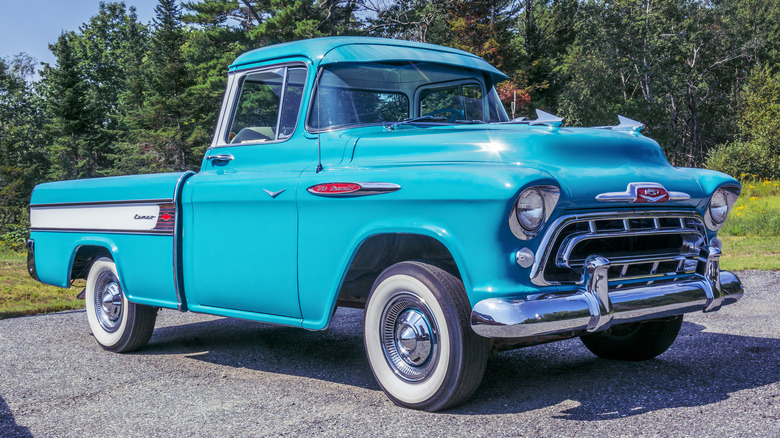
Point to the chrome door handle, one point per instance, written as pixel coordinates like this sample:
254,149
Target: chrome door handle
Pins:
219,157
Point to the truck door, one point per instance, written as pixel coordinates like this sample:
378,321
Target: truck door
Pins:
239,213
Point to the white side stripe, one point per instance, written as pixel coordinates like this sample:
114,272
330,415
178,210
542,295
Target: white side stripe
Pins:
132,217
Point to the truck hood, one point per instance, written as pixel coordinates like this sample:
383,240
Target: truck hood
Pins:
585,162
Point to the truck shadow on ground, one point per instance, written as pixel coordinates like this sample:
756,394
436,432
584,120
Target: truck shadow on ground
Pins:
335,355
8,425
701,367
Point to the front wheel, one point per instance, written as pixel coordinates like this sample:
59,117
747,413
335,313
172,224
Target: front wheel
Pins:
117,324
635,341
418,340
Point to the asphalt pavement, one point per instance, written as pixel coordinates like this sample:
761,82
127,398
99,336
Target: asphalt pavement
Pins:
208,376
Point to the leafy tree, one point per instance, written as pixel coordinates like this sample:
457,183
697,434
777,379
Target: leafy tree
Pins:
543,32
757,148
414,20
482,28
670,63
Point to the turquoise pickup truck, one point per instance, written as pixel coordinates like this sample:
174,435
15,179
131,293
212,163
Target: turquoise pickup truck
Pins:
385,175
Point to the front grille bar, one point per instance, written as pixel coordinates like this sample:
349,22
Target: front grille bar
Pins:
606,225
564,259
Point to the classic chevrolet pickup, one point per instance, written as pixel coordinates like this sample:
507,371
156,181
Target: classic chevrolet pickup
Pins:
386,175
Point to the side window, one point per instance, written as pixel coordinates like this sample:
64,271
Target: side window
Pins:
464,102
296,78
497,112
435,99
267,105
472,102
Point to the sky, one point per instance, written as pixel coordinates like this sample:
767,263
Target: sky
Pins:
31,25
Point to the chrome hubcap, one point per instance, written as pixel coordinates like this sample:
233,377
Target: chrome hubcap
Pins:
413,337
108,301
410,337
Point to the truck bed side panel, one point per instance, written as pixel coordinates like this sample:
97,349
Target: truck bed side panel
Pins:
132,217
144,263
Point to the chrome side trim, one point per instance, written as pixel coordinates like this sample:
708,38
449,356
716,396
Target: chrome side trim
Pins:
594,307
178,283
103,203
366,188
555,228
106,231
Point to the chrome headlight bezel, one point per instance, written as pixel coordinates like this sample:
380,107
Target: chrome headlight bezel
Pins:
719,206
549,198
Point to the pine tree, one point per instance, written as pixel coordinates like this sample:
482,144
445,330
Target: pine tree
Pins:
164,122
70,124
22,162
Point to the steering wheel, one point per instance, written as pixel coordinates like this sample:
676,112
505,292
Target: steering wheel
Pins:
456,114
249,134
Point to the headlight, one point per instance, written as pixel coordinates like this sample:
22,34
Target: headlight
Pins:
719,207
530,209
720,204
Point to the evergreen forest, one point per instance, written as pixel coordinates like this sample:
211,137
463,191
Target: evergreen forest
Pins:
126,97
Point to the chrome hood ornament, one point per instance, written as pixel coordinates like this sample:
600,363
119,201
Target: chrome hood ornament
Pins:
643,192
542,118
625,124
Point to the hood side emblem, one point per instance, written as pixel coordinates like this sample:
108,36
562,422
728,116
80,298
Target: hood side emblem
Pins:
643,192
274,194
351,189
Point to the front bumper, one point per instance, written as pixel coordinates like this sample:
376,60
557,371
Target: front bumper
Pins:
596,307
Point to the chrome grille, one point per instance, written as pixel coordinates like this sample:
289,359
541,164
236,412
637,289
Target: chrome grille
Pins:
640,245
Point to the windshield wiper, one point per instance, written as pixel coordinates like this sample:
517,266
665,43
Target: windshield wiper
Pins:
470,122
429,118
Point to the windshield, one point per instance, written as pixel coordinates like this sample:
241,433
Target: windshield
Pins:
368,94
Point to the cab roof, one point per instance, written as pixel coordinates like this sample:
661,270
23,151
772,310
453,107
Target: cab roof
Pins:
332,50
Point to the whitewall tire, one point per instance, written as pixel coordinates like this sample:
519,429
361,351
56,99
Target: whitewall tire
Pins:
418,340
117,324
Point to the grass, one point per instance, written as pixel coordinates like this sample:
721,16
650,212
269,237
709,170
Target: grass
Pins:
750,252
21,295
751,234
757,211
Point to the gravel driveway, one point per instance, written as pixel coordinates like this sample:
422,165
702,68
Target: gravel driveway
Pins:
210,376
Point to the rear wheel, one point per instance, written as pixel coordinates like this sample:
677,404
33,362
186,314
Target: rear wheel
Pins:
418,340
636,341
117,324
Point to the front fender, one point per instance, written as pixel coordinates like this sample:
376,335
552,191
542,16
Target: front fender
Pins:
464,206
